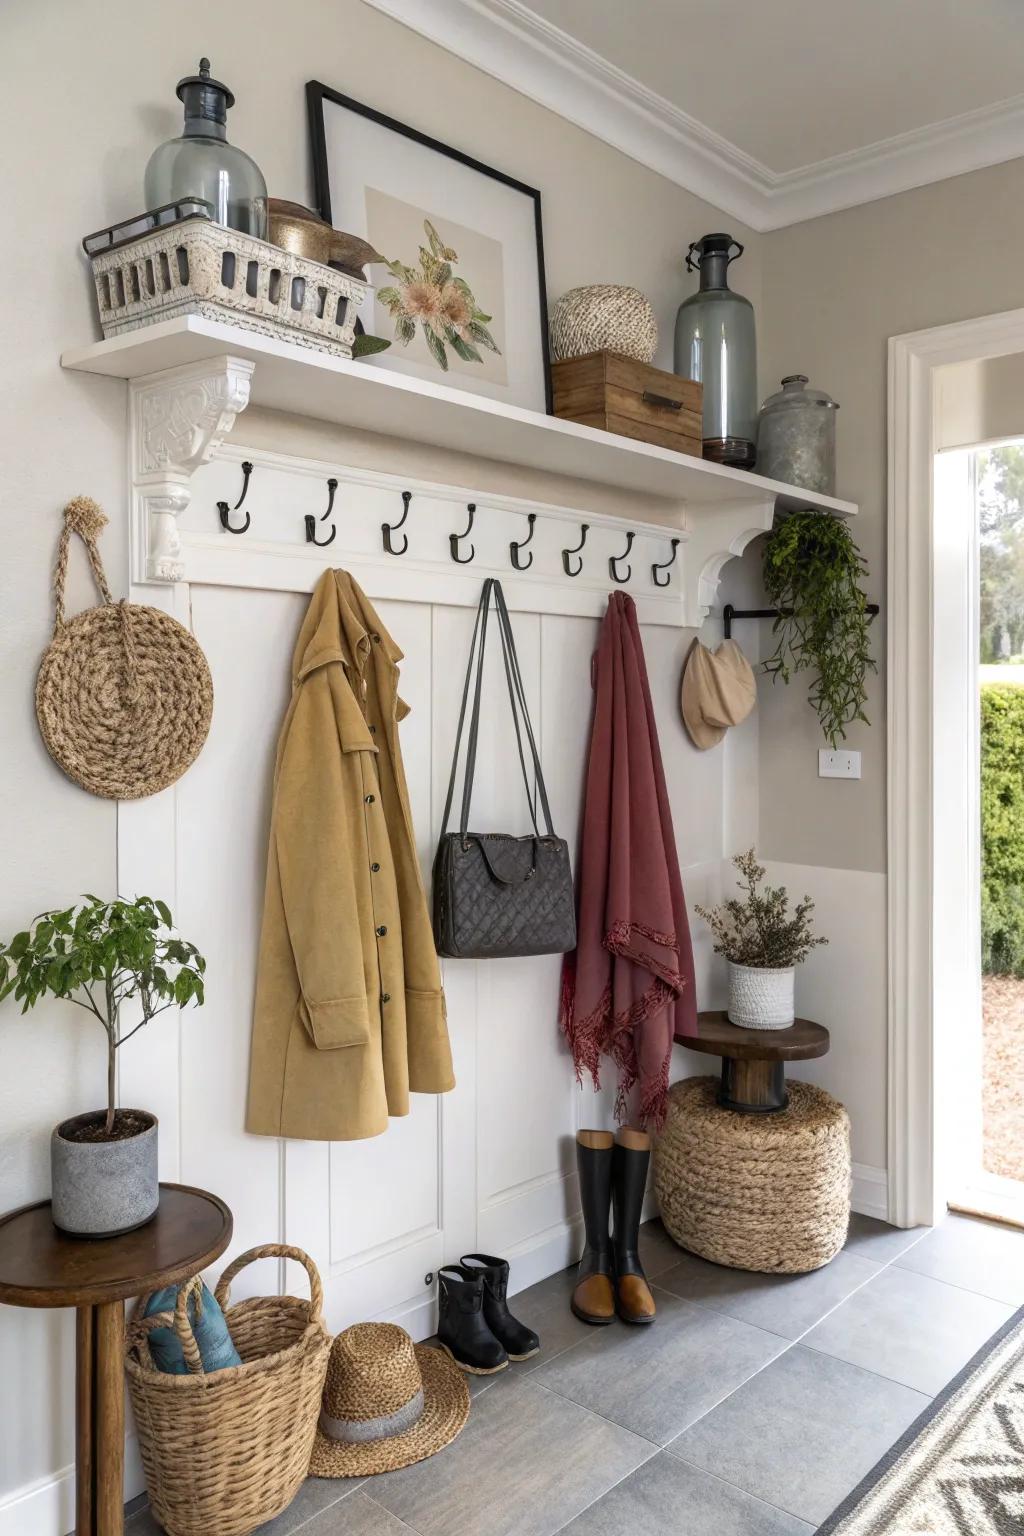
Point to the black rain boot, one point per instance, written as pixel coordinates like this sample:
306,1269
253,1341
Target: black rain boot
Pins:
593,1300
520,1342
633,1300
462,1330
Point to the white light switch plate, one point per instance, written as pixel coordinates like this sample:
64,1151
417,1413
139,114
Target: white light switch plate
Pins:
838,765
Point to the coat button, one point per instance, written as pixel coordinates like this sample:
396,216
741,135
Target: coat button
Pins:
375,868
373,730
385,997
369,799
381,931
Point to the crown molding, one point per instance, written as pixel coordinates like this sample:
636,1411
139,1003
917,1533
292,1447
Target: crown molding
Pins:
510,42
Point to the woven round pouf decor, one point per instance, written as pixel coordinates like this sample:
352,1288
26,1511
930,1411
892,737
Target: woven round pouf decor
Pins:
603,317
764,1192
124,695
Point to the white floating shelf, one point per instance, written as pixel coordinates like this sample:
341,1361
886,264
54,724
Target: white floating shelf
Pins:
374,399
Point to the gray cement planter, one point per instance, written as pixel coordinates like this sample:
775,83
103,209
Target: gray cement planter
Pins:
101,1188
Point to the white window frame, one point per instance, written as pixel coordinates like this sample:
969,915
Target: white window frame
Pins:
934,1090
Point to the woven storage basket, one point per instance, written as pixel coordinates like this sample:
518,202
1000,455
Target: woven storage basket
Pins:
762,1192
124,695
223,1453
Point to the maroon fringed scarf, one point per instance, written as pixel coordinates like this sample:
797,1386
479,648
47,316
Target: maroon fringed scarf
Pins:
627,988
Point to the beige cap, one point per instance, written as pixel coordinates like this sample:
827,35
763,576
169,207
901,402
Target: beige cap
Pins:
718,691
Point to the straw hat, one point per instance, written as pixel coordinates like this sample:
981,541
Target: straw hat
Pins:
387,1403
718,691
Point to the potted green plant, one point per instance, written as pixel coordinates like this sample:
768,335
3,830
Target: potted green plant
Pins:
103,955
764,943
812,572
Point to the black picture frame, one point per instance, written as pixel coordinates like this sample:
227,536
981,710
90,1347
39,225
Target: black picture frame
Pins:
317,93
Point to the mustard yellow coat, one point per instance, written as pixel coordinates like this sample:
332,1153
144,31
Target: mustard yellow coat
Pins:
349,1015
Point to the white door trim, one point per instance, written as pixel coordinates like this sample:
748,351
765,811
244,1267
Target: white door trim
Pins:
918,1179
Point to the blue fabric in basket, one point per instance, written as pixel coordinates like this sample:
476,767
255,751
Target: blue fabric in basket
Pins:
216,1348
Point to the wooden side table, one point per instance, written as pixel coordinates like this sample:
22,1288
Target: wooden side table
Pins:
754,1060
42,1267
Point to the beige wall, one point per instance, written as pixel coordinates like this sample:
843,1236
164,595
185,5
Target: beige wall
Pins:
836,289
979,401
76,158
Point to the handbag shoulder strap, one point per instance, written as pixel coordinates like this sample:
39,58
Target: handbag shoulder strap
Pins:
479,634
517,699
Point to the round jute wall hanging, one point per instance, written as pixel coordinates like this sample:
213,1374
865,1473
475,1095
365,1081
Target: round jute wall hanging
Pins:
124,694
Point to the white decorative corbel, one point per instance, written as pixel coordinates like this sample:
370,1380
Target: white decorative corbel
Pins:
177,419
718,532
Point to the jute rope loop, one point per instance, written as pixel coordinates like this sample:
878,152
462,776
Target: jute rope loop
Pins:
124,695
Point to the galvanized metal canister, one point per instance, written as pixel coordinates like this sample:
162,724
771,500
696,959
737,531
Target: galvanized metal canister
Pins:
796,436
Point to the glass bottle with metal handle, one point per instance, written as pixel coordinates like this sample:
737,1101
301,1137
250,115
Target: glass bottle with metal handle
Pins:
202,164
716,344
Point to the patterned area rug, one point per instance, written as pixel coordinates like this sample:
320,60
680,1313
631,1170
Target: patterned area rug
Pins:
959,1470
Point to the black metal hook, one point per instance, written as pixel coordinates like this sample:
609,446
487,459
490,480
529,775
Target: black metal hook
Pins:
614,561
567,567
332,486
311,537
664,566
225,510
246,472
387,529
514,547
454,539
225,518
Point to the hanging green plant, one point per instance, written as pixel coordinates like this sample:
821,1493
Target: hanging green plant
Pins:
812,573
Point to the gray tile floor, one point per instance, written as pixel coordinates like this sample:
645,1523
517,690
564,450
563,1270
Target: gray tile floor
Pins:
751,1408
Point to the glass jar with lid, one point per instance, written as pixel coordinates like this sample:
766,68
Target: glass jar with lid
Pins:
202,164
796,438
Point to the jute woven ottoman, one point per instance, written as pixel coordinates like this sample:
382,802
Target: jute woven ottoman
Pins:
762,1192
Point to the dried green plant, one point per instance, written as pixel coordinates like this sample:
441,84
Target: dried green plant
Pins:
812,573
100,955
438,301
759,931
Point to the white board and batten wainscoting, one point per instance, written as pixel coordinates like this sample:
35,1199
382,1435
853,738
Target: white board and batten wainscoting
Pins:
491,1166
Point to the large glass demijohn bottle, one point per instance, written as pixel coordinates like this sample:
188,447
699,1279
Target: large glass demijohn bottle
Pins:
203,164
716,345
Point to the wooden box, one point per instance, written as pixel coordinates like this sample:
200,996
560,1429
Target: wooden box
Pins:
618,394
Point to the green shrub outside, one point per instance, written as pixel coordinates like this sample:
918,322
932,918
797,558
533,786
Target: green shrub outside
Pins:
1002,829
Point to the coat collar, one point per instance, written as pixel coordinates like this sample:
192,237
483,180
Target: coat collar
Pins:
339,626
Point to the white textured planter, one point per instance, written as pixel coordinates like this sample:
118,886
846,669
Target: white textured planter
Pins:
761,999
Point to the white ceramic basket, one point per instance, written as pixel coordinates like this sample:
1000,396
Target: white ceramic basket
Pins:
761,999
196,267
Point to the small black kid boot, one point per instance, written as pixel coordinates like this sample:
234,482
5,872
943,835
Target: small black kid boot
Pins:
520,1342
462,1329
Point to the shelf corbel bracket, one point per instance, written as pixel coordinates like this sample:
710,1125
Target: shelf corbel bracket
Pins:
177,419
718,532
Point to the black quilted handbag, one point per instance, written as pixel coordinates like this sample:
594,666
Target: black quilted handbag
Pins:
496,895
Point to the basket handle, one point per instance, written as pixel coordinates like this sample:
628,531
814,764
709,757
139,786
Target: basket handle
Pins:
142,1326
274,1251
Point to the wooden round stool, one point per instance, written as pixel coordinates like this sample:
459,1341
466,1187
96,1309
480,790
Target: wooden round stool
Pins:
768,1192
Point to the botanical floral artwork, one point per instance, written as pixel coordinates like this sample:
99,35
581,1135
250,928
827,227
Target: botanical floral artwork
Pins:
440,302
442,296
